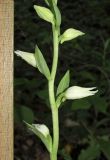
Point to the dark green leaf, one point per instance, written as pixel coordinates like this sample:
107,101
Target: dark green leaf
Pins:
65,155
20,81
107,42
105,147
99,103
91,153
23,113
87,75
81,104
43,94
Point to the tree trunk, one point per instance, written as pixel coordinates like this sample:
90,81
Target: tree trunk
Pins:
6,80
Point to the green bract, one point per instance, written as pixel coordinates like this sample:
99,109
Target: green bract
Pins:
41,63
49,2
44,13
55,1
57,15
64,83
40,130
70,34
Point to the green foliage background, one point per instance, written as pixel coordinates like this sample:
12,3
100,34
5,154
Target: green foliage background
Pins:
84,124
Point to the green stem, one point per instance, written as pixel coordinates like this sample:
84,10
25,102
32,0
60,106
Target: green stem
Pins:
54,108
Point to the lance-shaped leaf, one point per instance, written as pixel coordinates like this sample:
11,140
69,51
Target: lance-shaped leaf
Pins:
44,13
54,1
70,34
49,2
41,63
61,98
42,132
28,57
57,15
64,83
55,10
46,1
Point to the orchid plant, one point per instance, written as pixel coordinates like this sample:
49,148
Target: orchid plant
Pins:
64,92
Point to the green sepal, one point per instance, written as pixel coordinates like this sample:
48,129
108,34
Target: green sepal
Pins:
46,140
41,63
64,83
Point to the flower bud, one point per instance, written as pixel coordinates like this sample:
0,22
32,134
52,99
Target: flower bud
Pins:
76,92
70,34
43,129
28,57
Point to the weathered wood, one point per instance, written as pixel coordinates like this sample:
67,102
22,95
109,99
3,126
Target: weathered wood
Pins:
6,80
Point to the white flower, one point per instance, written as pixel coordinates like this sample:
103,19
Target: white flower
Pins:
28,57
43,129
70,34
77,92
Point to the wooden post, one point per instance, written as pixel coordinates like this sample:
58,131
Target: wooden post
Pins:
6,79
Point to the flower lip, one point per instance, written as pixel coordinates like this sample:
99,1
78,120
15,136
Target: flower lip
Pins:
77,92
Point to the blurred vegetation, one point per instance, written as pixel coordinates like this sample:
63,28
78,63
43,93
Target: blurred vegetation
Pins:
85,123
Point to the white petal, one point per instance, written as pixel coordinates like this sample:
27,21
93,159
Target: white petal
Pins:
28,57
91,88
42,128
76,92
